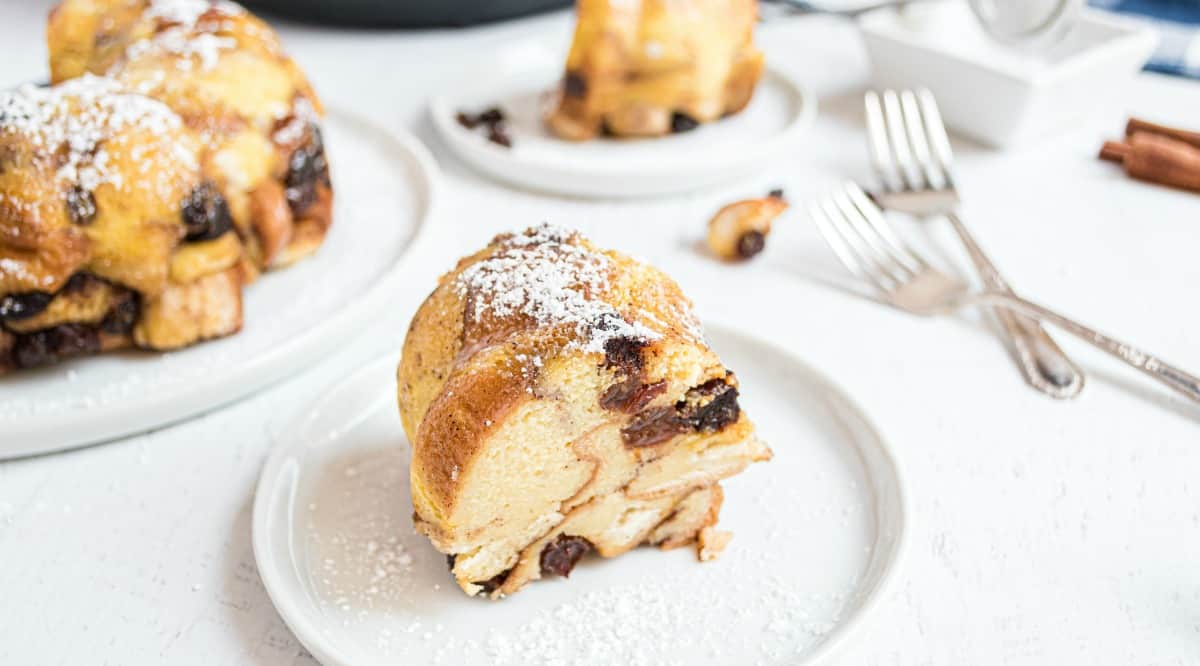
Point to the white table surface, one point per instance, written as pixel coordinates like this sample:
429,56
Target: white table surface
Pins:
1042,532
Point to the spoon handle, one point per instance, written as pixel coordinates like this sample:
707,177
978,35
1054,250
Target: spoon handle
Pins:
1176,378
1046,367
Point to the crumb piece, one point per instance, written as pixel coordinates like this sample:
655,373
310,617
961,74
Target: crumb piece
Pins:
739,231
711,542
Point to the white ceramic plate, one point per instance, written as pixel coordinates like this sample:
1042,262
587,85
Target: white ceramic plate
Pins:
818,532
518,80
384,183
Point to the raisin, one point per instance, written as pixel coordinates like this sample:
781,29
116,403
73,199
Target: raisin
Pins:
450,560
491,116
750,244
50,345
681,122
122,315
631,396
307,169
498,135
623,352
708,407
776,193
492,584
205,214
653,426
467,120
560,556
81,206
15,307
574,85
715,414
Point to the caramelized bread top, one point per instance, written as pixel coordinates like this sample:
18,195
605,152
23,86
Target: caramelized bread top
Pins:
91,178
217,65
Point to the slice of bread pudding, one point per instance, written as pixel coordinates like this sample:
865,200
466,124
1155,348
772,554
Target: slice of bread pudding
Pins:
653,67
561,399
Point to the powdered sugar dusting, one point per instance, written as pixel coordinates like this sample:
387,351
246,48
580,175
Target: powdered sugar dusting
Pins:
187,13
546,275
184,34
77,117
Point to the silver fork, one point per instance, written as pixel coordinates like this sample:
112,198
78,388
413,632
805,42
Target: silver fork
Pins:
912,158
860,236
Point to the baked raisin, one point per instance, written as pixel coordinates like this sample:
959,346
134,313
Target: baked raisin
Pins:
750,244
560,556
631,396
205,214
653,426
574,85
307,170
122,315
491,116
15,307
498,134
681,122
624,352
81,206
492,584
52,344
714,414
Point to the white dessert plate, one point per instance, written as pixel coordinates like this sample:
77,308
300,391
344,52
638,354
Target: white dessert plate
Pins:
384,183
519,80
818,533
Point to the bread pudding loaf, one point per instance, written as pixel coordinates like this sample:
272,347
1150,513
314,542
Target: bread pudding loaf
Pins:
560,399
110,234
652,67
225,73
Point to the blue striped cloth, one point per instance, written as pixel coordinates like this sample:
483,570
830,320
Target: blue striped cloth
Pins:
1178,26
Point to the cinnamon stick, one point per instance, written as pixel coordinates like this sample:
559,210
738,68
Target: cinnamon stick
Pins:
1157,159
1139,126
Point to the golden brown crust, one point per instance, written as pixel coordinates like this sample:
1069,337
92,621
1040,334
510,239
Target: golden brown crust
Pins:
223,70
650,67
553,390
450,350
108,217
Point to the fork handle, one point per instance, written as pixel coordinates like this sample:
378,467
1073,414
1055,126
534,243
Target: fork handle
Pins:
1176,378
1046,367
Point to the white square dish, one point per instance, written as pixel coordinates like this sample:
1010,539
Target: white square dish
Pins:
1000,95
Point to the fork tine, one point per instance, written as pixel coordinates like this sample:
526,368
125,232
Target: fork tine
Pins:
931,169
857,258
899,251
936,130
881,153
844,254
894,120
880,255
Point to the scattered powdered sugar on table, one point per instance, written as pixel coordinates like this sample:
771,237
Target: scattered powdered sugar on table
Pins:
78,116
544,274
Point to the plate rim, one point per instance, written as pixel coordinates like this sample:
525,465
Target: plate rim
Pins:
501,165
264,370
308,633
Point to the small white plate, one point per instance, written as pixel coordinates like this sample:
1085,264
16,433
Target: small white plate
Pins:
384,185
818,532
518,81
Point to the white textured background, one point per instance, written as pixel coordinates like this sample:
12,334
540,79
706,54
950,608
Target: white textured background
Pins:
1043,532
